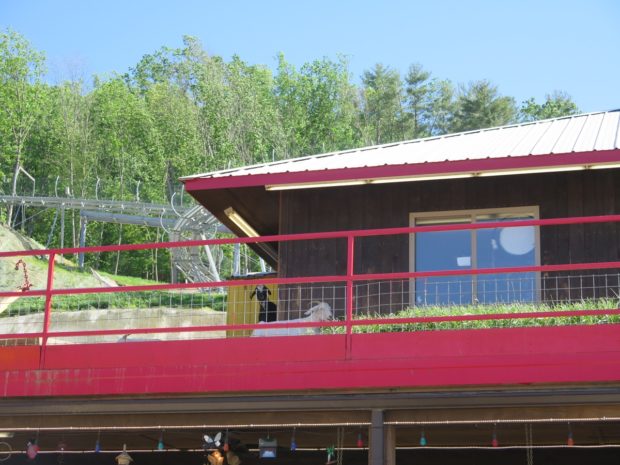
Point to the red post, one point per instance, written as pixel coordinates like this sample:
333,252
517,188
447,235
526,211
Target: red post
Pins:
48,307
349,293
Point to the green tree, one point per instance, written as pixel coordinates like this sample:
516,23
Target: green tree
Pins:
202,80
206,78
442,108
75,139
382,105
317,106
291,107
253,128
330,105
21,69
155,68
125,140
556,105
479,106
177,139
419,90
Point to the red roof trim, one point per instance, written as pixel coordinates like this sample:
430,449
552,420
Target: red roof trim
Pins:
413,169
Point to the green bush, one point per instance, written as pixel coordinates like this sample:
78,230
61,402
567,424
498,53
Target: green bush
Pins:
495,309
120,300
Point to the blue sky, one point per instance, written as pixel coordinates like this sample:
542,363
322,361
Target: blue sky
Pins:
527,48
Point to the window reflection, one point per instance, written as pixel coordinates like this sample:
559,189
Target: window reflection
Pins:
476,249
445,250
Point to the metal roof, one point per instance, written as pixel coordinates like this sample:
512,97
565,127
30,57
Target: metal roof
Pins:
589,132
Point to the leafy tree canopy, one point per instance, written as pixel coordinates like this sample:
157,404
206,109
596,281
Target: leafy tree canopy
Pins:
555,105
181,110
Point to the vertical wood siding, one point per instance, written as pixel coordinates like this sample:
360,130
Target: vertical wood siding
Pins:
388,205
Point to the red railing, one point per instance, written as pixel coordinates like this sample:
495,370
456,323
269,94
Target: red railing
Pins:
348,280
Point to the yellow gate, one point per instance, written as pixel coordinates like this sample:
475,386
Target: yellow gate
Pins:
242,307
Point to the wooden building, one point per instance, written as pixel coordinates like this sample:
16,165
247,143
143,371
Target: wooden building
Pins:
566,167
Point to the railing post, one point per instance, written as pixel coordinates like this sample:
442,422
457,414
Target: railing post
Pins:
349,294
48,307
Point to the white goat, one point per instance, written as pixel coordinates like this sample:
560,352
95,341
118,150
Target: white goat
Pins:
320,312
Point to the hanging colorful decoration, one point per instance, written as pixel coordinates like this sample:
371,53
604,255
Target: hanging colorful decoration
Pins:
61,457
293,442
98,443
570,442
27,284
232,458
32,449
494,441
360,440
160,443
226,446
124,458
215,458
331,454
267,448
212,442
423,441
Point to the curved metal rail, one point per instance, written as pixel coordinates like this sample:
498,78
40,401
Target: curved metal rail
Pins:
180,222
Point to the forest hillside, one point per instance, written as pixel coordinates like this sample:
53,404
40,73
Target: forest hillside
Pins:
181,111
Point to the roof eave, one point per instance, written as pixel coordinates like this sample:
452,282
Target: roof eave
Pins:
447,168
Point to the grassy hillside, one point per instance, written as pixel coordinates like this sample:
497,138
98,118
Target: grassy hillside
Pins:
67,275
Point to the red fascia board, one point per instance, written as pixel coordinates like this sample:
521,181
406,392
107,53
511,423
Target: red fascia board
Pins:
412,169
502,356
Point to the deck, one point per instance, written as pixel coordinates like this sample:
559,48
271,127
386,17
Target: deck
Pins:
360,349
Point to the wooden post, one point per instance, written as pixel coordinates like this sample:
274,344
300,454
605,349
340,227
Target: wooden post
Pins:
376,439
390,445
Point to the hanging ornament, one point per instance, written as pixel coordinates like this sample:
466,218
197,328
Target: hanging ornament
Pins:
293,442
570,442
124,458
61,447
226,446
27,284
212,442
494,441
160,443
267,448
360,440
331,453
215,458
32,449
232,458
423,441
98,443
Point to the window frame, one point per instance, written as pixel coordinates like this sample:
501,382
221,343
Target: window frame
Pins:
415,217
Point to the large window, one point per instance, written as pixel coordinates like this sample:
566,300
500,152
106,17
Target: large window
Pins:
475,249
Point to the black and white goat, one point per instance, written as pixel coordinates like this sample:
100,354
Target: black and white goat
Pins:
268,310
